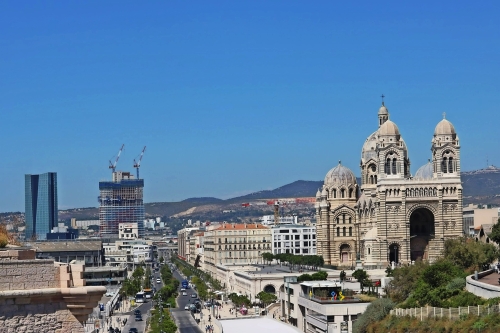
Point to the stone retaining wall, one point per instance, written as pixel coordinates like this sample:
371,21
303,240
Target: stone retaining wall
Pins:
39,295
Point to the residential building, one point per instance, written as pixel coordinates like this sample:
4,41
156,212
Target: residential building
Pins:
183,241
40,205
232,243
128,230
128,252
269,220
318,307
474,216
392,216
294,239
121,201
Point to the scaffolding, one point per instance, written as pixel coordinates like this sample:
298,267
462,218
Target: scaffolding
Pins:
120,201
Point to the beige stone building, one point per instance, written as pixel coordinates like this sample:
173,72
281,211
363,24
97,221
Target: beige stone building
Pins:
40,295
231,243
395,216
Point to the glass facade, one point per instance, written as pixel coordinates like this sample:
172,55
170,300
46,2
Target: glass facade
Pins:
40,204
121,202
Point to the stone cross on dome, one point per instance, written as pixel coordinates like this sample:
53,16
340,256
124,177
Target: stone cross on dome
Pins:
382,99
444,115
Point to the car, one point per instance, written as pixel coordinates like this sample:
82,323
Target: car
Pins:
186,307
184,294
183,289
193,295
133,330
137,312
158,280
110,294
138,318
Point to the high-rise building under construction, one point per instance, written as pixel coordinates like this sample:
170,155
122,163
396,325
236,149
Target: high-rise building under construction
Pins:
121,201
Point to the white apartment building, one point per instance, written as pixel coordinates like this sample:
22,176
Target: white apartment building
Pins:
238,244
294,239
269,220
128,231
123,251
315,306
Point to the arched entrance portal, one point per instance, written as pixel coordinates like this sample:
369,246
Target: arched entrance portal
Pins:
394,253
344,253
421,231
270,289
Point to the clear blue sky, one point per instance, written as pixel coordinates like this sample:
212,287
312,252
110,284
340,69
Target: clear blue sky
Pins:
236,96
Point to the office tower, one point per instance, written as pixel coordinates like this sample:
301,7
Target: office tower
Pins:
121,201
40,204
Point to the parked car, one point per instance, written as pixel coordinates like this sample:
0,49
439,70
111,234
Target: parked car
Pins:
193,295
184,294
186,307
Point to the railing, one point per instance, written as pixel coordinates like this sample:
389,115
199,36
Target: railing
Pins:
450,313
347,299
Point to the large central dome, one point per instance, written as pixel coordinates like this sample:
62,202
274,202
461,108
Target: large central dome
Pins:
340,175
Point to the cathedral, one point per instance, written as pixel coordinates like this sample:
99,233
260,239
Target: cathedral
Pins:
392,216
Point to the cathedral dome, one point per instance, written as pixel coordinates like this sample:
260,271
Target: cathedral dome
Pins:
340,175
444,127
425,172
383,111
388,128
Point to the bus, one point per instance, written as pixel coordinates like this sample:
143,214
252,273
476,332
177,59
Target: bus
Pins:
140,297
185,284
148,293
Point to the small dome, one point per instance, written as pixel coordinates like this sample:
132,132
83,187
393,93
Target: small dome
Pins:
340,175
383,110
318,194
425,172
444,127
388,128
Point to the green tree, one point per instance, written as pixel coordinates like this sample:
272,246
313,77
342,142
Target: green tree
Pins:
495,232
343,275
266,298
162,259
361,276
319,276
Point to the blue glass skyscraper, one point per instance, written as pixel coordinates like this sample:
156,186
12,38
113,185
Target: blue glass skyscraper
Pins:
40,204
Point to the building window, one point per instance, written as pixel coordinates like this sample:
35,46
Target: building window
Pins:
343,231
338,232
350,231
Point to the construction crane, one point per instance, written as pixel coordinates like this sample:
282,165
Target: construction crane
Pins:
137,164
112,166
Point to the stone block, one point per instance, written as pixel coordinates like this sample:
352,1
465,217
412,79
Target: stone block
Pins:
5,278
27,254
15,285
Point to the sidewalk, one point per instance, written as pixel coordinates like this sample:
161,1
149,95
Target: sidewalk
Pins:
225,314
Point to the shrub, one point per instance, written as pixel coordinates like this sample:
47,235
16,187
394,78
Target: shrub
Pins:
457,283
4,240
375,312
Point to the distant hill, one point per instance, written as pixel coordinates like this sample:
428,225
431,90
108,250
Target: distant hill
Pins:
204,200
297,189
480,186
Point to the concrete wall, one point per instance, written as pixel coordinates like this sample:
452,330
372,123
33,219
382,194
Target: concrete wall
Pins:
481,289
